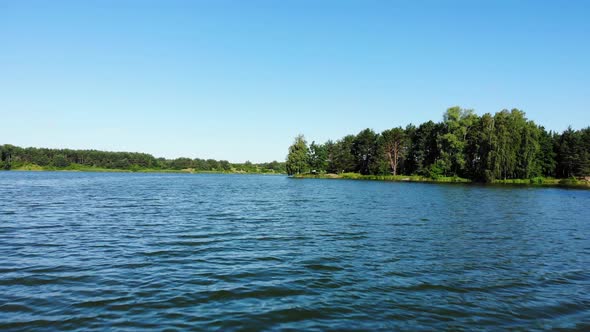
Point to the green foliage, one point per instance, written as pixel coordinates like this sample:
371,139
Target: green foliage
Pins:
318,157
60,161
403,178
491,148
573,153
458,124
184,163
6,152
394,143
342,160
437,169
364,150
570,181
423,150
298,157
13,157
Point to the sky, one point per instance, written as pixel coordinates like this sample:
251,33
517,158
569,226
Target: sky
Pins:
238,80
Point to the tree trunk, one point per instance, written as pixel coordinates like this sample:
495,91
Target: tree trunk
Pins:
395,159
391,162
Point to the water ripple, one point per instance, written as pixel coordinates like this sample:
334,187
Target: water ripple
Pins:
129,252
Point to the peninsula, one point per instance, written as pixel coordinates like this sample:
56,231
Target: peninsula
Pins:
504,147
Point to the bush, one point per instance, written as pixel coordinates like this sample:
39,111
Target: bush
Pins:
435,170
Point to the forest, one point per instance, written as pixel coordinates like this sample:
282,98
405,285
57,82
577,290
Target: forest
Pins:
14,157
505,145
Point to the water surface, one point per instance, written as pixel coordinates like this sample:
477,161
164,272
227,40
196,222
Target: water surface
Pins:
100,251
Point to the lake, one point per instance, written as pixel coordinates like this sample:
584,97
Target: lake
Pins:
118,251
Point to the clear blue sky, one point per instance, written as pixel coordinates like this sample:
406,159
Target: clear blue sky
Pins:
237,80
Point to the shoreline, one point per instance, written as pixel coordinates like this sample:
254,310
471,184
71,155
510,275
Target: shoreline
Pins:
118,170
537,182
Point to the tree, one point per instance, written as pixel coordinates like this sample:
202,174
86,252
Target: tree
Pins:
394,143
457,123
178,163
342,159
298,157
546,154
505,145
224,165
6,152
364,150
570,154
318,157
330,148
528,165
423,151
60,161
585,152
480,149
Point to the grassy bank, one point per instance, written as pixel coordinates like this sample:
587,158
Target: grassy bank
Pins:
538,181
541,181
396,178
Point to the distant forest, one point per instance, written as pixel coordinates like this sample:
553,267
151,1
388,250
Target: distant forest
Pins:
484,148
14,157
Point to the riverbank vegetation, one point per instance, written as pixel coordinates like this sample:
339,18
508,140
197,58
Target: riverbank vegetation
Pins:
396,178
504,147
39,159
539,181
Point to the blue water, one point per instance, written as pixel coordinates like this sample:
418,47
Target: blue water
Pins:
100,251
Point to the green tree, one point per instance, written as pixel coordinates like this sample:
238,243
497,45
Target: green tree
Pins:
572,157
181,163
585,152
528,165
318,157
364,150
6,152
423,150
394,144
546,155
60,161
298,157
224,165
457,123
480,149
343,160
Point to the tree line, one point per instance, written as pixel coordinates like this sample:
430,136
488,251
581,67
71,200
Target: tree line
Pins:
14,157
505,145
